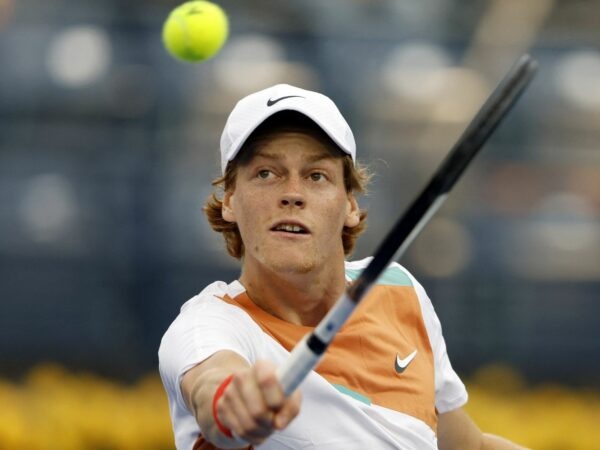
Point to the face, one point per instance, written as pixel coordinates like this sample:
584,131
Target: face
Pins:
290,205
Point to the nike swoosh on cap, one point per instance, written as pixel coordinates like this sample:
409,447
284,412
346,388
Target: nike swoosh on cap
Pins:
271,102
402,364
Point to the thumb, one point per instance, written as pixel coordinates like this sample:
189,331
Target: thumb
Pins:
289,411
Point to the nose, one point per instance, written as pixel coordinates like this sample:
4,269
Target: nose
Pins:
292,199
292,193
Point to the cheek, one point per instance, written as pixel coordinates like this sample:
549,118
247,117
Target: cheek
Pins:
337,214
247,211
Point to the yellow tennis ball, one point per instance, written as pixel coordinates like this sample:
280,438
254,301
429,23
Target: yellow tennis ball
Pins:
195,31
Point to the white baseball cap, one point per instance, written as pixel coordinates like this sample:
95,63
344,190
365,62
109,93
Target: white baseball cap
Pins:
254,109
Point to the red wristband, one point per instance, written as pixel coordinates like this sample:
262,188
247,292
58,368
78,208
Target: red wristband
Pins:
226,431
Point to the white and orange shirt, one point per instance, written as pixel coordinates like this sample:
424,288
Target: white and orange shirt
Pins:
381,384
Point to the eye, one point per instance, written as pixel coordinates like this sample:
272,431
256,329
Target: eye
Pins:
317,176
263,174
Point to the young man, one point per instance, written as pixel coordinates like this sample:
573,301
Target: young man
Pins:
289,212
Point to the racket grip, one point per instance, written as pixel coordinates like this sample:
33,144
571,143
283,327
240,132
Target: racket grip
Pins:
297,366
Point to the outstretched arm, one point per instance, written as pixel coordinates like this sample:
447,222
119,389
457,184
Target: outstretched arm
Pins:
252,405
456,430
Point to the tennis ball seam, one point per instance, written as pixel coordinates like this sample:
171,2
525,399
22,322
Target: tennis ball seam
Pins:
187,50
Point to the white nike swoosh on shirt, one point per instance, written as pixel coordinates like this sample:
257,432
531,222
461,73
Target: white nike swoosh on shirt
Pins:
402,364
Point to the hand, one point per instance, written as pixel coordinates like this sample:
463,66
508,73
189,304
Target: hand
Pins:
253,405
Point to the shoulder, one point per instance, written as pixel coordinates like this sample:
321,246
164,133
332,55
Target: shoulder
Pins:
208,316
211,297
209,304
205,325
394,274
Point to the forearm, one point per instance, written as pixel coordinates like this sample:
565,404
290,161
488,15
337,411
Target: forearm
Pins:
492,442
199,386
456,431
202,396
252,405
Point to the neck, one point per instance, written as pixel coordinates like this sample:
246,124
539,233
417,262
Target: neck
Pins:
301,299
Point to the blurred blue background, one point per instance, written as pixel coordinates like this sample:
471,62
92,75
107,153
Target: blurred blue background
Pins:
108,147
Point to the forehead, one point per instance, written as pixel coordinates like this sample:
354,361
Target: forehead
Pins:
294,144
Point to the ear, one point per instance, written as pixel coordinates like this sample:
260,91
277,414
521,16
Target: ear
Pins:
352,212
227,211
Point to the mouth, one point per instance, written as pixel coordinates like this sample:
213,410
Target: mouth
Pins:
292,228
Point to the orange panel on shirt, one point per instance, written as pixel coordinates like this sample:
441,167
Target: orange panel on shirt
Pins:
363,353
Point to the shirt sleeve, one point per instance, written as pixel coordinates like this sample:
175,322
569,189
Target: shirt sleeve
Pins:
204,326
450,392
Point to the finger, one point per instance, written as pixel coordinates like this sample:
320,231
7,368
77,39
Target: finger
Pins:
289,410
270,387
239,422
254,400
234,413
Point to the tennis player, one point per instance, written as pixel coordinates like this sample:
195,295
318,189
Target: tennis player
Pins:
288,212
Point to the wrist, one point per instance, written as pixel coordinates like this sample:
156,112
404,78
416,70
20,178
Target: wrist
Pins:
218,394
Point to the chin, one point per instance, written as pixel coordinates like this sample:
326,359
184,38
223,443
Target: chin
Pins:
295,267
292,264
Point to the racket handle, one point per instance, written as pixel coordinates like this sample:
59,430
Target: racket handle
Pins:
297,366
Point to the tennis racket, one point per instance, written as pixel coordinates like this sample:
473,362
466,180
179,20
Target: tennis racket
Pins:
308,352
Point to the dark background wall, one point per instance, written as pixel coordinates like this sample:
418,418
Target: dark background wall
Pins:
108,147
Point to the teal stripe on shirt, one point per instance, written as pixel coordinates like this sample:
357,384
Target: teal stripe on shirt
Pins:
393,276
351,393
